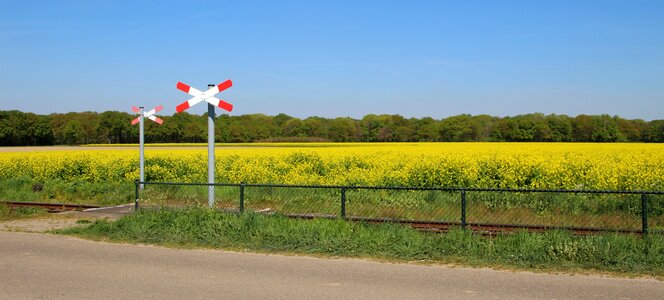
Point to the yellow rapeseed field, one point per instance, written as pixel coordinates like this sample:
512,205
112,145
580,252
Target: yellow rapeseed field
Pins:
509,165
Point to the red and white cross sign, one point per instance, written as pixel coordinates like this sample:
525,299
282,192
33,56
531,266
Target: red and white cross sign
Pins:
207,96
148,114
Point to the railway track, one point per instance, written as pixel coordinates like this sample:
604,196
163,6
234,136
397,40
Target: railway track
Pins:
488,229
50,207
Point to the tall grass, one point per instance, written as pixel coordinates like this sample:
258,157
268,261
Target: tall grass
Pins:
7,213
605,211
61,191
556,250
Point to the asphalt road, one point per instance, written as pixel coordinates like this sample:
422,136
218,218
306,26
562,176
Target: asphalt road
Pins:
40,266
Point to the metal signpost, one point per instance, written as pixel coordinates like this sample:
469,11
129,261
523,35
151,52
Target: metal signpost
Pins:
141,117
209,97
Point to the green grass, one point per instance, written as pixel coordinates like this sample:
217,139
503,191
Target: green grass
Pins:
20,212
554,250
60,191
550,209
546,209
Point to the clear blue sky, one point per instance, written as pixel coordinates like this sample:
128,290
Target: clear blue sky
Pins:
337,58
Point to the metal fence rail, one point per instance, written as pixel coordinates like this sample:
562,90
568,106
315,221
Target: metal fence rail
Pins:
432,208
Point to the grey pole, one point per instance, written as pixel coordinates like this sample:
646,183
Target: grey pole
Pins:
210,152
141,146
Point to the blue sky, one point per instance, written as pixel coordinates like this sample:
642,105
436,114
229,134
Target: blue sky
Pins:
337,58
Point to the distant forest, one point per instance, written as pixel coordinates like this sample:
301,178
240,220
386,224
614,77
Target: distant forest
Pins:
111,127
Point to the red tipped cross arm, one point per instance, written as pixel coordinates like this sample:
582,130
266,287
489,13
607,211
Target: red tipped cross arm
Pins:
207,96
141,115
148,114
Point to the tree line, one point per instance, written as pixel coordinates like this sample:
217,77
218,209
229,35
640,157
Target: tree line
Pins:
111,127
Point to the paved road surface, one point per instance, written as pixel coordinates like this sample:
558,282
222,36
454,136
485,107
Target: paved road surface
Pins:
39,266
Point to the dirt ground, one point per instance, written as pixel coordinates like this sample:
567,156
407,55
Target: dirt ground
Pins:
65,219
43,224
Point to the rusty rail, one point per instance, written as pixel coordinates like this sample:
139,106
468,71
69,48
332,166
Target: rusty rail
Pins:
483,228
50,207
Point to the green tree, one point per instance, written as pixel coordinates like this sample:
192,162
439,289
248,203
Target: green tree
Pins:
18,128
114,127
43,133
294,128
605,129
457,128
72,133
343,130
582,128
6,129
483,127
632,130
426,130
561,128
653,132
404,129
378,128
520,128
316,127
280,120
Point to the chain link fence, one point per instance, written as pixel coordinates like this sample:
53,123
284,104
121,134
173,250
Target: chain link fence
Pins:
582,211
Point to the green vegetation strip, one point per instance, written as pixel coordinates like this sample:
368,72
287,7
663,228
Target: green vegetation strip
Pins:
6,213
66,191
554,250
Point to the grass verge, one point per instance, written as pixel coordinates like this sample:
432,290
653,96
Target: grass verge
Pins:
61,191
7,213
552,251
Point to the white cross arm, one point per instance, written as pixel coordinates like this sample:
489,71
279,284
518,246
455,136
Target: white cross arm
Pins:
207,96
148,114
153,111
220,103
156,119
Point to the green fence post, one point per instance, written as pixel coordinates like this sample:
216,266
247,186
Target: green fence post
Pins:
463,209
644,214
343,202
136,185
241,197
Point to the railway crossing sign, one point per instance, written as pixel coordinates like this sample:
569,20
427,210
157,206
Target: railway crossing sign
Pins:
209,97
147,114
142,114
